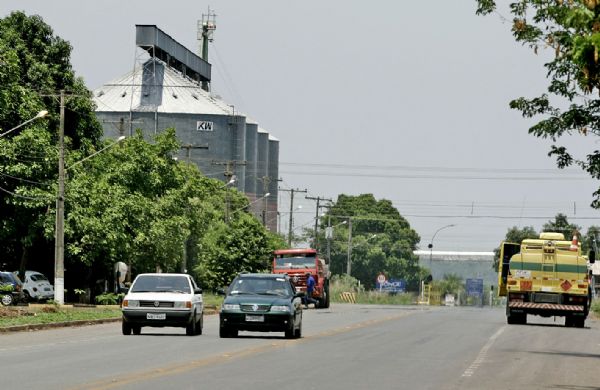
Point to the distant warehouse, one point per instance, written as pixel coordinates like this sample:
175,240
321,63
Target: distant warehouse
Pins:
168,88
466,265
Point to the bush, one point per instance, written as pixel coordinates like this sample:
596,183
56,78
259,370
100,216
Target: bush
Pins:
109,299
596,307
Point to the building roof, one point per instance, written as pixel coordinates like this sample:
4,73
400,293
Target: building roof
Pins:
163,90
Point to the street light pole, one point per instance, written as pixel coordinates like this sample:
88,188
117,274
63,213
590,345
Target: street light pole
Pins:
59,239
421,282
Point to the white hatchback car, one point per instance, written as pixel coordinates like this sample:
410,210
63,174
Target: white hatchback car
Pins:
37,286
160,300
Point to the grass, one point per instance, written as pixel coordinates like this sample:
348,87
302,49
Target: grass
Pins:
343,283
46,314
596,308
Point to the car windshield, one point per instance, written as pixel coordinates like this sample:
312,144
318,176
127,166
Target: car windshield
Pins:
261,286
295,261
158,283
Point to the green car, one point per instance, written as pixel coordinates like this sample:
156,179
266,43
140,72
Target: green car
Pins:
261,303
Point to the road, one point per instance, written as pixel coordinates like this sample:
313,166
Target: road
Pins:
345,347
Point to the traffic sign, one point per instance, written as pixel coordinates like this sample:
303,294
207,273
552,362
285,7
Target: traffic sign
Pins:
474,287
381,279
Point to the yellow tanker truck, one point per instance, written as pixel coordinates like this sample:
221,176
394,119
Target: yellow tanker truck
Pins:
546,277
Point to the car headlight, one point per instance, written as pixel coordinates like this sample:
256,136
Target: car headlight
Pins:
229,306
182,304
131,303
281,308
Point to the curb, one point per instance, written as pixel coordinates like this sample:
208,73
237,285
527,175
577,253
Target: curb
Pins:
32,327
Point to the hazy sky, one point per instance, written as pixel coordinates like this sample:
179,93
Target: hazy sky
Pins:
407,100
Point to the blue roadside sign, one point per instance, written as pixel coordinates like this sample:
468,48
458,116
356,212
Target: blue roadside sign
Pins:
392,286
474,287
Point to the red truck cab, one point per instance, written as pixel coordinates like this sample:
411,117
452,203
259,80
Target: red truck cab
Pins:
296,263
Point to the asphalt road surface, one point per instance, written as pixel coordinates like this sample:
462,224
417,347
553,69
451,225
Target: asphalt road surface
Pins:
345,347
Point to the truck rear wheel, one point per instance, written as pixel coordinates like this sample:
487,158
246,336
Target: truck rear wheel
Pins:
574,322
513,318
326,300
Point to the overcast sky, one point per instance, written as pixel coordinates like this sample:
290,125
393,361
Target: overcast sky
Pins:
407,100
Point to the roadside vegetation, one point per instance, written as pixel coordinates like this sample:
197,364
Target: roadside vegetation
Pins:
47,314
345,284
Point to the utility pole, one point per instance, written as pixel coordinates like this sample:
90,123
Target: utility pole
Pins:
230,166
318,199
188,148
292,191
59,239
349,265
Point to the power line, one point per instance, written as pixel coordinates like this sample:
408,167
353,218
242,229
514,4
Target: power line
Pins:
438,177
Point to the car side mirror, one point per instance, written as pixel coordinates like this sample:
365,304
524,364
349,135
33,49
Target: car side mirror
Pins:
299,294
124,290
592,257
221,291
198,290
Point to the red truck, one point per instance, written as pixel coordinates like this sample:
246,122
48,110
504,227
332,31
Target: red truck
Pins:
296,263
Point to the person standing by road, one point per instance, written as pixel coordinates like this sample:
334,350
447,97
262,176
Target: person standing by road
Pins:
310,287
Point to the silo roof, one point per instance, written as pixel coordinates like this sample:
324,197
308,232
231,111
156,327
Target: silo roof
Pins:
174,94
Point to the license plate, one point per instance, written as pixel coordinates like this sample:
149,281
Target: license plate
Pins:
255,318
156,316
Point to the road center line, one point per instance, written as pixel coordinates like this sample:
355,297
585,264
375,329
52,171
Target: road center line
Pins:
178,368
482,354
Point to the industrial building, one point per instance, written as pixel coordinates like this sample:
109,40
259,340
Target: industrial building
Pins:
169,87
466,265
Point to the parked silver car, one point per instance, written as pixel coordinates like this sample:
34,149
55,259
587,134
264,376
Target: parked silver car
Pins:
37,286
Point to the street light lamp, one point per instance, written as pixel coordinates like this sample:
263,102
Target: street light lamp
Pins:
40,114
251,203
59,230
430,246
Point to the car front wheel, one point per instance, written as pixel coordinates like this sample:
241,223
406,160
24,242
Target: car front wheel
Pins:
7,299
126,328
190,329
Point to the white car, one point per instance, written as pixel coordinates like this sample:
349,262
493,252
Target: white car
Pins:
160,300
37,286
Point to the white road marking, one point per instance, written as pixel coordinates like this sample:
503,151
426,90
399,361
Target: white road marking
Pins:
482,354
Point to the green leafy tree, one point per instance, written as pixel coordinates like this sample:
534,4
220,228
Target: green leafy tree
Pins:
515,235
562,225
590,240
450,284
382,240
571,30
34,66
242,245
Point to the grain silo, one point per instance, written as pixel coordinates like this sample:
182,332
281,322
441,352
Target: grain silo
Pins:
167,88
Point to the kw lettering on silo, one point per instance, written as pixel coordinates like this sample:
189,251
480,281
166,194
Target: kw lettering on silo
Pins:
204,126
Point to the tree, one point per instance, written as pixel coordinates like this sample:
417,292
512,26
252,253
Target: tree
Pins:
242,245
382,240
515,235
562,225
34,66
572,30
